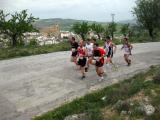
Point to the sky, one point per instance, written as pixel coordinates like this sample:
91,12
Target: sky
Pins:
95,10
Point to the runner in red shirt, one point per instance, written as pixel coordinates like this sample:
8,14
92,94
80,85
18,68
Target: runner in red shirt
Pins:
82,60
98,60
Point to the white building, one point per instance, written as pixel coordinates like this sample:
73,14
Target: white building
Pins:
41,40
91,34
66,34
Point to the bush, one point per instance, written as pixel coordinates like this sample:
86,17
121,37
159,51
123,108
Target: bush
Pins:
10,55
137,111
156,79
117,41
122,106
24,53
95,114
33,42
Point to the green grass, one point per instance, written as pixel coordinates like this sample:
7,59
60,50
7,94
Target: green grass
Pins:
92,103
6,53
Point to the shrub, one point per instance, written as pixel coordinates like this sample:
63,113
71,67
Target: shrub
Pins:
122,106
24,53
156,79
32,49
137,111
95,114
33,42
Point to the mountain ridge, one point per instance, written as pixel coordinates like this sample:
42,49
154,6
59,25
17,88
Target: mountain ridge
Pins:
66,24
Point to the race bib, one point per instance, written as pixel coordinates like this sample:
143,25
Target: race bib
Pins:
97,58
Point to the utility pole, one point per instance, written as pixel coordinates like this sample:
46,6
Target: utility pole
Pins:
112,33
112,15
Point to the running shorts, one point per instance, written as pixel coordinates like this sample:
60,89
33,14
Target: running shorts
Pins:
82,62
74,54
100,63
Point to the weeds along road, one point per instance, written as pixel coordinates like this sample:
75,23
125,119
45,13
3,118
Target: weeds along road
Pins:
33,85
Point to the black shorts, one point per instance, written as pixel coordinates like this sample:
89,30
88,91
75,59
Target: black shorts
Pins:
74,54
110,54
99,63
82,62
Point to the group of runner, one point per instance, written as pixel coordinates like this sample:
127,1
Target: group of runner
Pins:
86,53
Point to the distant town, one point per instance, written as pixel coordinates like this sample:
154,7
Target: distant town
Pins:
52,35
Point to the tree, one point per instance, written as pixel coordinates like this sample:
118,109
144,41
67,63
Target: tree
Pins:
106,32
112,28
98,29
125,29
81,29
148,15
77,27
3,22
18,24
84,29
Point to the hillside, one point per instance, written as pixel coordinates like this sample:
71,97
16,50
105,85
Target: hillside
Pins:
66,24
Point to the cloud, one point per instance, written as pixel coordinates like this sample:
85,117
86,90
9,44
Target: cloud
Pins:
79,9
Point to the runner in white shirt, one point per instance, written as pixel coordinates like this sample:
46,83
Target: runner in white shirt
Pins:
89,51
127,51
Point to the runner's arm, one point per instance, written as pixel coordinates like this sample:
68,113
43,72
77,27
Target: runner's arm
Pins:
115,47
131,46
122,47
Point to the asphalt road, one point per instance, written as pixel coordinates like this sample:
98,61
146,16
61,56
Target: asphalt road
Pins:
33,85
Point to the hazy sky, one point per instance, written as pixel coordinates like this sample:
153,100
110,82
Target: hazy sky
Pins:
96,10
